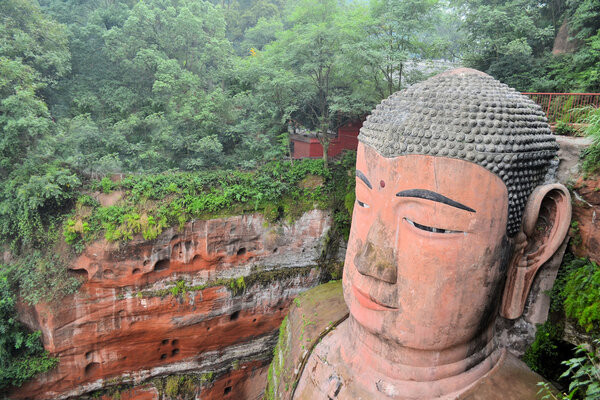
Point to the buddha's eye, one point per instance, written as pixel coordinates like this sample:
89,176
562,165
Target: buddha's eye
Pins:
363,205
429,228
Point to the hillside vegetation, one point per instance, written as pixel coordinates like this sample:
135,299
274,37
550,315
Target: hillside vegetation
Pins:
192,99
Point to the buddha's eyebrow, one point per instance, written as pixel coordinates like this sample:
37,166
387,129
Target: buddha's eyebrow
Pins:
363,178
433,196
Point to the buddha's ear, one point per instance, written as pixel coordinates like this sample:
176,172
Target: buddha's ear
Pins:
546,221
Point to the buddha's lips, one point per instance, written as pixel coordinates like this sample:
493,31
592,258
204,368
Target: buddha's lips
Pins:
369,302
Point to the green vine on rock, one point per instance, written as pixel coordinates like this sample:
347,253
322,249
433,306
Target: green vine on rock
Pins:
582,296
22,355
150,203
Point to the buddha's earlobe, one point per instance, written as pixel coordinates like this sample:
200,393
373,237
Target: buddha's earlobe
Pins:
546,221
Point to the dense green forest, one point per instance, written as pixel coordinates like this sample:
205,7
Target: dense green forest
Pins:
185,93
148,86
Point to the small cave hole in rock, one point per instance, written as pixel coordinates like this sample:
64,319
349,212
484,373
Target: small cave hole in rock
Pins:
108,274
196,257
175,352
88,355
234,316
241,251
82,273
91,368
145,262
208,328
275,250
136,271
164,341
280,213
227,390
303,250
177,250
280,308
162,265
254,320
163,356
175,342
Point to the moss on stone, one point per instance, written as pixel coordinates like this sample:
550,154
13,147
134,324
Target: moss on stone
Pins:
237,285
278,363
282,371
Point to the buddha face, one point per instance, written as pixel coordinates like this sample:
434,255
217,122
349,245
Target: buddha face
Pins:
428,251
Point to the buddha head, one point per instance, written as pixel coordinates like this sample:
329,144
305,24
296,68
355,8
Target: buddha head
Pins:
452,219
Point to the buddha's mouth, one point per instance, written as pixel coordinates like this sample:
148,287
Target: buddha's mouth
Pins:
369,302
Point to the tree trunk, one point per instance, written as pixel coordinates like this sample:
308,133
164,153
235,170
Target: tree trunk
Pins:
325,145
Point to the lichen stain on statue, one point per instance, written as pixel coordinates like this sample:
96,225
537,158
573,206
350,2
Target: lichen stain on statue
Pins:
450,227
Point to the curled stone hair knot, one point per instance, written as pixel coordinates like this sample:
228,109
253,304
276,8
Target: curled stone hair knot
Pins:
468,115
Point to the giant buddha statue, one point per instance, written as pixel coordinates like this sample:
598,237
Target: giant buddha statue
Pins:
451,223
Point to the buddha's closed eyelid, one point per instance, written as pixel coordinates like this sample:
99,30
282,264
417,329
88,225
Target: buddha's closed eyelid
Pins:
430,228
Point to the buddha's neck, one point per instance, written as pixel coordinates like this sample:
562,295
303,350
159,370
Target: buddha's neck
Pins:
453,368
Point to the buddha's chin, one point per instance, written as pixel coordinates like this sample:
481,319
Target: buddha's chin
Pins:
384,329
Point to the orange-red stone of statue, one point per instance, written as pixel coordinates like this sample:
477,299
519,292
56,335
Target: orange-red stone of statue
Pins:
433,257
423,280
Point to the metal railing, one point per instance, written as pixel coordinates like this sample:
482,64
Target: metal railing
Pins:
566,107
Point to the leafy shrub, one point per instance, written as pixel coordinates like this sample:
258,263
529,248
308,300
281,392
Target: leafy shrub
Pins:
106,184
153,202
584,372
40,277
177,387
21,353
576,292
542,355
592,153
582,295
584,375
563,128
32,201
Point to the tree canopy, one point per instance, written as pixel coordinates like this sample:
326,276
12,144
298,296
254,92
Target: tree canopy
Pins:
91,88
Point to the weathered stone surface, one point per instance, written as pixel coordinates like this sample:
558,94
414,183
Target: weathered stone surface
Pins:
586,214
569,155
174,305
564,42
313,313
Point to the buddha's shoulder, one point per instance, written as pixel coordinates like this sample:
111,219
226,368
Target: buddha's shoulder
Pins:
313,314
325,376
309,341
511,378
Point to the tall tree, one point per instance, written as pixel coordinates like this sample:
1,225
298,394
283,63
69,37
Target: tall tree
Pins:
147,84
505,28
33,56
401,31
312,56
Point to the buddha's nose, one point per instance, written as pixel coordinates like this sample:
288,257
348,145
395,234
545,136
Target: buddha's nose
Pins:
376,258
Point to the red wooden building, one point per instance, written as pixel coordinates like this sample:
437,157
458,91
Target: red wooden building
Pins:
308,146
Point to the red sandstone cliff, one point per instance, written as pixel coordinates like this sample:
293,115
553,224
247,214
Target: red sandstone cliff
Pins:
176,305
585,229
